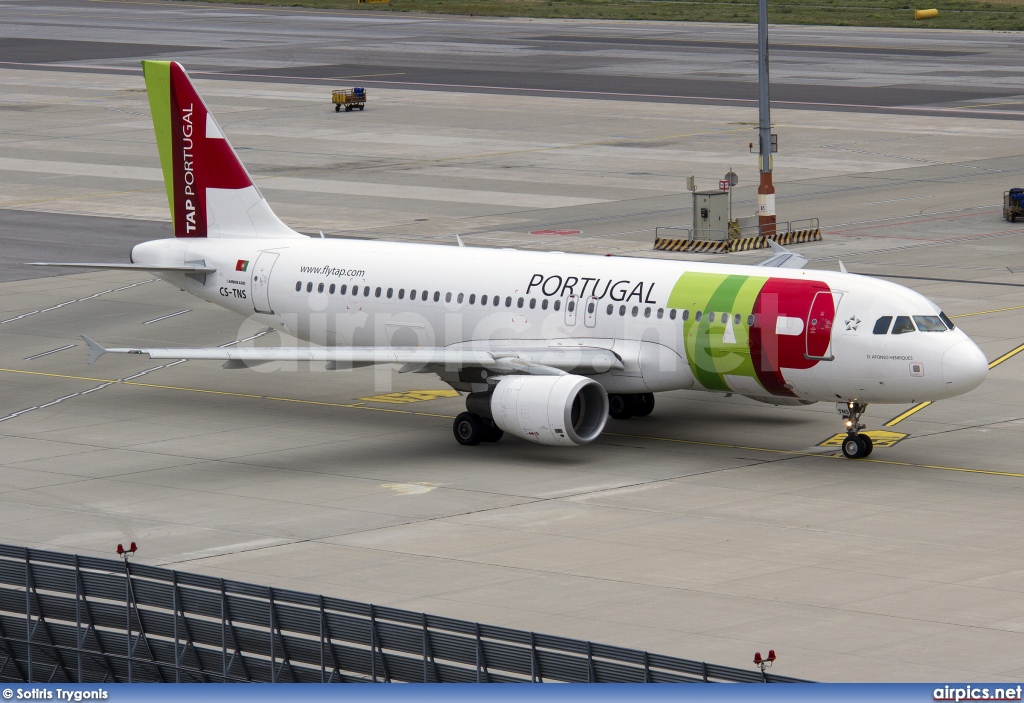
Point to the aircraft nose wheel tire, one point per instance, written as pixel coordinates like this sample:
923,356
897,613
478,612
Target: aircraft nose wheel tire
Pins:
857,446
644,404
469,429
621,406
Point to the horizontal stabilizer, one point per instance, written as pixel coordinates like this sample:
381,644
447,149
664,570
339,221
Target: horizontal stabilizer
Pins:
184,268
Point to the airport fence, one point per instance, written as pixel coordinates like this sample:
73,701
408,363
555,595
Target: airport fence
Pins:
66,618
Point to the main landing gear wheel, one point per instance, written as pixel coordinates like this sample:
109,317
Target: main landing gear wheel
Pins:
622,406
469,429
644,404
493,433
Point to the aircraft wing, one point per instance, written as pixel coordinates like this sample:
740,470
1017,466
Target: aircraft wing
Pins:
783,258
184,268
541,361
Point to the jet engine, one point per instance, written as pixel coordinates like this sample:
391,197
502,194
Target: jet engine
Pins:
551,410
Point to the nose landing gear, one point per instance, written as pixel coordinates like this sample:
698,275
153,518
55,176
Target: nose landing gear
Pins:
856,445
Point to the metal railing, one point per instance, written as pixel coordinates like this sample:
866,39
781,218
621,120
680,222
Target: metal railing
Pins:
713,235
78,619
691,234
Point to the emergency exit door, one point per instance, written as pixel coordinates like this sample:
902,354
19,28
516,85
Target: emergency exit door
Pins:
260,282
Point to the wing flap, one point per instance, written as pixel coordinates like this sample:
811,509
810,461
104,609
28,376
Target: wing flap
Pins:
523,361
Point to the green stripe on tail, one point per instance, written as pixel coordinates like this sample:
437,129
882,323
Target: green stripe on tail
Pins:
158,87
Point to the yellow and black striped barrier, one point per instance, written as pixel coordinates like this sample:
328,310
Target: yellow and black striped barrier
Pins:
701,246
798,236
704,246
748,243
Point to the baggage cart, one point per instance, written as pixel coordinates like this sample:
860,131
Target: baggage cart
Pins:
1013,204
349,98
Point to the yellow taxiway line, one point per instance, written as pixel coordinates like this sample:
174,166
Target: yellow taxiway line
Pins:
987,312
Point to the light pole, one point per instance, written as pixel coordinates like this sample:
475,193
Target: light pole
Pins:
765,190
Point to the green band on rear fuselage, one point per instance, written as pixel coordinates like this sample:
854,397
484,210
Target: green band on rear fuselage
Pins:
717,345
158,88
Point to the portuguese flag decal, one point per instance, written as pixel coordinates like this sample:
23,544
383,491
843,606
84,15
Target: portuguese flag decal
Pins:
242,265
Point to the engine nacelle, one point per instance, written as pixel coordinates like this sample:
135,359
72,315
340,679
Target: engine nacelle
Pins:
553,410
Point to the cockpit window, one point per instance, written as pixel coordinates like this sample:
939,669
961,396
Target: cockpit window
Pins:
902,325
882,324
949,323
930,323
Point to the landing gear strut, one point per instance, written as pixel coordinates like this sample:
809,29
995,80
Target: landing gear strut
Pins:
856,445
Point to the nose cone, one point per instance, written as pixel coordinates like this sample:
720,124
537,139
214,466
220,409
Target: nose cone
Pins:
964,367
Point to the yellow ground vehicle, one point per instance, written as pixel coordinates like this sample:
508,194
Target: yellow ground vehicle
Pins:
349,98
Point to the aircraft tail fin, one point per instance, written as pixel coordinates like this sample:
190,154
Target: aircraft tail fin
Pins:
208,189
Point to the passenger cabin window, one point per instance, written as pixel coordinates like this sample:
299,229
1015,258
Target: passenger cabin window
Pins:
558,305
461,297
366,291
902,325
343,289
376,293
472,299
672,314
882,324
298,286
930,323
401,293
391,292
309,287
320,288
544,304
447,297
331,289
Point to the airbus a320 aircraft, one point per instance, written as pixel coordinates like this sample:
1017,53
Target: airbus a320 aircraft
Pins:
546,345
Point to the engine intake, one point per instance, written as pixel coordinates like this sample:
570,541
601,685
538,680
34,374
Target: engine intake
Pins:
552,410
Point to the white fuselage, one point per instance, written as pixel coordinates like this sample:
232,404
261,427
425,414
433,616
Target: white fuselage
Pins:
674,324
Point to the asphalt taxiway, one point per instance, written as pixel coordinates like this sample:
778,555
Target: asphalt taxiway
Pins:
714,528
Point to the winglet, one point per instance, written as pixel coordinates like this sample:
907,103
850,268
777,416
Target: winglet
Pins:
459,240
842,267
95,350
777,248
